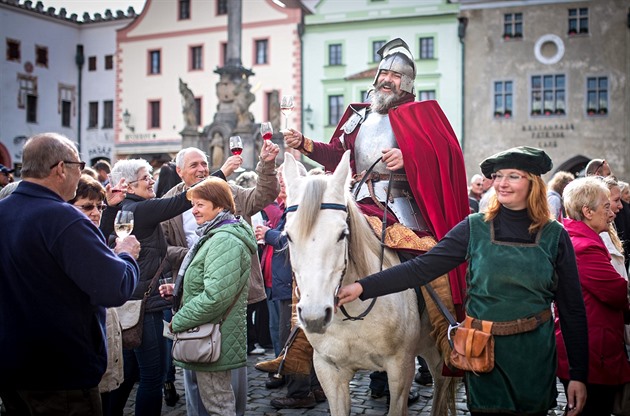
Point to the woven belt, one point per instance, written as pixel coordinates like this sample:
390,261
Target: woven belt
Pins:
515,327
375,177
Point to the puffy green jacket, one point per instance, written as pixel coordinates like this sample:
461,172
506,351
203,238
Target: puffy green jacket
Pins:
214,277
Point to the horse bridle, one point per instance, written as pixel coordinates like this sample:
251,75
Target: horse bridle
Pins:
342,207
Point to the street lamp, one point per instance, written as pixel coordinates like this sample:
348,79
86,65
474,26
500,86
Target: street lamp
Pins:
126,119
308,116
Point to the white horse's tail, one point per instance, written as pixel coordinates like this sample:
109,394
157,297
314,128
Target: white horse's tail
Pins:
444,397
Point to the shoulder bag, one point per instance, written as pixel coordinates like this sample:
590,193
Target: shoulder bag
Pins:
201,344
131,315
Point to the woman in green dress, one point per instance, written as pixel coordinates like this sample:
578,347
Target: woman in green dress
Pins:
519,262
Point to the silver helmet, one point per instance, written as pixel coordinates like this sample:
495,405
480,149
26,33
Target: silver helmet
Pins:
396,57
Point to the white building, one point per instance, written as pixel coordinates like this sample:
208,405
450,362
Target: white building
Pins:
41,85
186,40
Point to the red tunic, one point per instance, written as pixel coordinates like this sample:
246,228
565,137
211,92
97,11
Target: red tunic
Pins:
434,164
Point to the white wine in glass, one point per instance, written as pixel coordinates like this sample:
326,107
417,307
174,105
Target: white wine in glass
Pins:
123,225
236,147
286,107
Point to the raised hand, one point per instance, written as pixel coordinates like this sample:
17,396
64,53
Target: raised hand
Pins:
292,138
129,245
231,164
269,151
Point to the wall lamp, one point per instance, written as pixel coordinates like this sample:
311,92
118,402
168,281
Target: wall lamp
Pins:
127,119
308,116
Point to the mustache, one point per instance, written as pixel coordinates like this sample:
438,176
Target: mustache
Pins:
388,84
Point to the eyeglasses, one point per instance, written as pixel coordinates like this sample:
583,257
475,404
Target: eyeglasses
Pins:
69,162
596,171
511,178
90,207
146,178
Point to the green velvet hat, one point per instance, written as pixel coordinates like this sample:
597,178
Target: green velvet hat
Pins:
529,159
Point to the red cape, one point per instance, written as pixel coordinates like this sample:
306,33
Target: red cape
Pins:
435,169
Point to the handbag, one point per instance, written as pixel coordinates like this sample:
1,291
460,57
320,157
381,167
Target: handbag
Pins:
131,315
201,344
473,349
621,405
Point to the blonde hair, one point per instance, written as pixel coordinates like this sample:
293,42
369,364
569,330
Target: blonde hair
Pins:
537,205
583,192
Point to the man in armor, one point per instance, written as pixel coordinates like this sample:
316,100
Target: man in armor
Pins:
411,144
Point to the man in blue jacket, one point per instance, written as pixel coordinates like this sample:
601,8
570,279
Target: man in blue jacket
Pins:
57,275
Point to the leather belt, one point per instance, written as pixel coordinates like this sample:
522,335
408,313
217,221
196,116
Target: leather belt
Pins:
514,327
375,177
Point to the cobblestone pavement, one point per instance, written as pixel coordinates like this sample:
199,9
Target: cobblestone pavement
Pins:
362,403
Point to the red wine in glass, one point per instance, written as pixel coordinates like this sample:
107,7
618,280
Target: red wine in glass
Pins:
266,130
236,147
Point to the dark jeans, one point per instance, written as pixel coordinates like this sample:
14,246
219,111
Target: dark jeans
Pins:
258,325
84,402
145,364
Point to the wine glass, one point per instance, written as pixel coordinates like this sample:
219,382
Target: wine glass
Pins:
236,147
123,225
266,130
286,106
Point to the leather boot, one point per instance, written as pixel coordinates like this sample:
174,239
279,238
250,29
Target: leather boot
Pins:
295,358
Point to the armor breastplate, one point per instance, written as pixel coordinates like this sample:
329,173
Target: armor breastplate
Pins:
375,134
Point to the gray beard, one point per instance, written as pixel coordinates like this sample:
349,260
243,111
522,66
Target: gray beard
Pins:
381,103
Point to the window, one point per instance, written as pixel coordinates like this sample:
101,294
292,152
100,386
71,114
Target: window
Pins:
108,114
503,99
31,108
184,9
154,114
512,25
261,52
223,57
92,63
154,62
41,56
578,21
66,107
109,62
221,7
13,50
426,48
196,58
334,54
426,95
597,95
198,110
27,86
93,115
335,109
376,45
364,96
548,95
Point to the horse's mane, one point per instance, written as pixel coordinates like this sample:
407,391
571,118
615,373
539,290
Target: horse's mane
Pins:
362,239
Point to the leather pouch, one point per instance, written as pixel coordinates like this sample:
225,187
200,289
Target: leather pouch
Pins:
473,349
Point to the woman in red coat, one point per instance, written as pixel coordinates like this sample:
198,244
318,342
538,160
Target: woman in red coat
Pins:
605,295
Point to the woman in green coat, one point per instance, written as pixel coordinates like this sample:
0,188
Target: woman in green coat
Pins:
213,277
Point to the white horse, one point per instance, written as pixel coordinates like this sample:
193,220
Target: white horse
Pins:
332,244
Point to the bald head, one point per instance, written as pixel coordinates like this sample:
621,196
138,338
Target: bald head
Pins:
45,150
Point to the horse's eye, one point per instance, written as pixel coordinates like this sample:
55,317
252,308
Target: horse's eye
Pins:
343,235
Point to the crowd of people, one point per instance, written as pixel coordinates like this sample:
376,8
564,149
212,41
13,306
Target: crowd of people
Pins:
545,264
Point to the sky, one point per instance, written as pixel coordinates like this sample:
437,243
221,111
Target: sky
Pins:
93,6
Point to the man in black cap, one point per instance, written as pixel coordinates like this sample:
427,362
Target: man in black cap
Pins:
6,176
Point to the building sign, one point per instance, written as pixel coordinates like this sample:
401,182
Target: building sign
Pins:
547,134
140,136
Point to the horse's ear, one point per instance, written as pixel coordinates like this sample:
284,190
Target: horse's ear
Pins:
290,170
343,173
